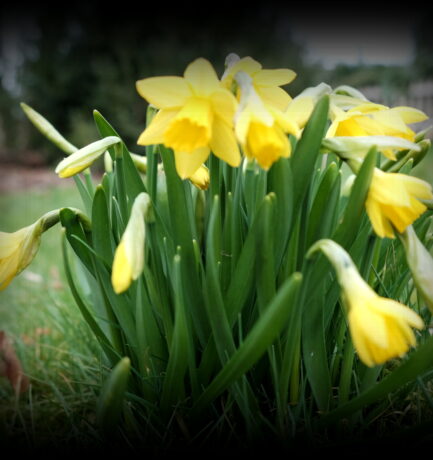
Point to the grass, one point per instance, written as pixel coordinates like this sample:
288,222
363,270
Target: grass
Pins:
55,346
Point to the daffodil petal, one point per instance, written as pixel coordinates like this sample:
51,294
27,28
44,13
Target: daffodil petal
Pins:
154,133
164,92
187,163
274,96
223,143
274,77
409,114
224,104
202,77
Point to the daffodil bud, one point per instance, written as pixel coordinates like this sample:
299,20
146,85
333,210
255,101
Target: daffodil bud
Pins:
140,162
420,264
201,178
357,147
128,261
48,130
18,249
108,162
84,157
380,328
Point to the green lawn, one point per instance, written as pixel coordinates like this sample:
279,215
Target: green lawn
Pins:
54,344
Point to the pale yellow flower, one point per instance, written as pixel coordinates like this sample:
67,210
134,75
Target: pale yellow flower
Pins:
17,251
266,82
261,129
381,328
128,260
195,117
393,201
369,119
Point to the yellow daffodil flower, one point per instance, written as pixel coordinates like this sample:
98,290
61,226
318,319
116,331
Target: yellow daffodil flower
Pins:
128,260
18,249
393,201
369,119
195,117
83,158
266,82
380,328
420,262
260,128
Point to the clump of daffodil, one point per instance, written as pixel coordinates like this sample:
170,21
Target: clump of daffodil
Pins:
266,82
195,117
381,328
393,201
83,158
18,249
128,260
420,263
260,128
364,118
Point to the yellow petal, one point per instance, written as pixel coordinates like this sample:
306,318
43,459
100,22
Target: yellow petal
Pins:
164,92
223,143
409,114
379,222
187,163
121,276
274,96
396,309
154,133
300,110
202,77
224,105
274,77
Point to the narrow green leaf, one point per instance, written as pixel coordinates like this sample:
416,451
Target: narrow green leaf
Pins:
110,402
261,336
307,151
102,238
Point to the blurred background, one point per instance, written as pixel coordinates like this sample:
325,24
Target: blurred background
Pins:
66,62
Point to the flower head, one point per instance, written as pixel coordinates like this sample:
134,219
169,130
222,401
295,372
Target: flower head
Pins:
380,327
393,201
261,128
128,260
83,158
17,251
195,117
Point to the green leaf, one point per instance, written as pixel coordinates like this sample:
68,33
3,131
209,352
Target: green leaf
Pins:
173,386
261,336
307,151
347,229
108,348
75,232
110,402
102,237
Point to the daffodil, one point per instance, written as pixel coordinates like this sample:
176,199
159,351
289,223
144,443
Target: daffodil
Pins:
266,82
261,129
83,158
18,249
370,119
381,328
195,117
128,260
393,201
